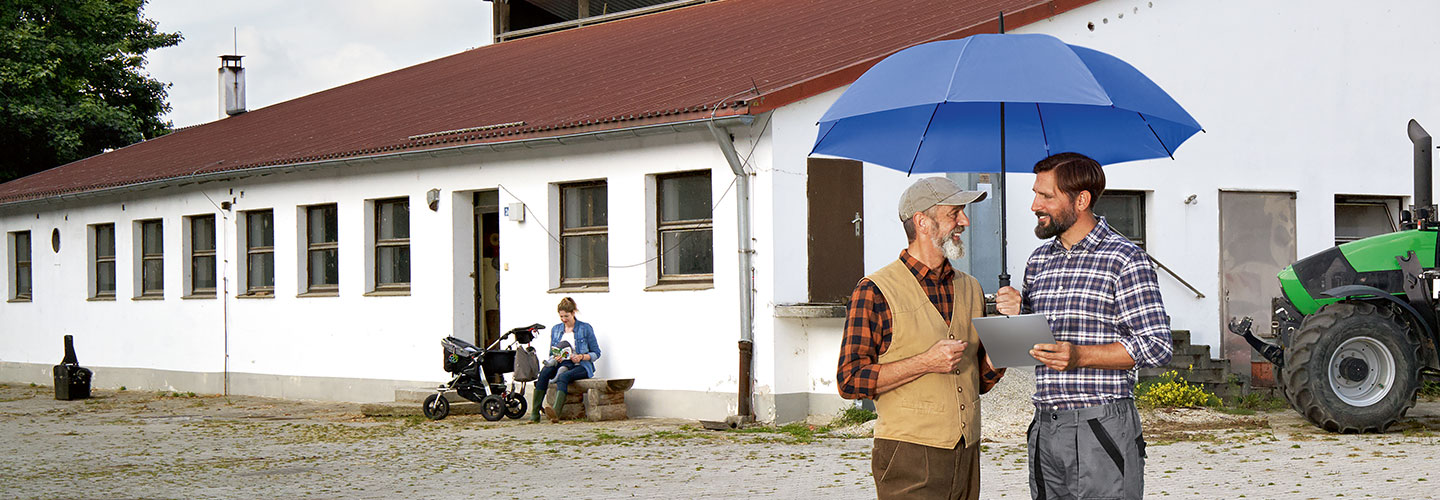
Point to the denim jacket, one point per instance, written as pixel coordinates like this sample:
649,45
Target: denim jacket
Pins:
584,343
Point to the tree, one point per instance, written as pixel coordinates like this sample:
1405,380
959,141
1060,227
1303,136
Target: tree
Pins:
71,81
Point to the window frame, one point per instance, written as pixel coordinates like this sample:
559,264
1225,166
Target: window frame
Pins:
146,254
312,246
97,258
1392,216
662,227
1143,239
252,250
19,267
379,243
595,230
197,291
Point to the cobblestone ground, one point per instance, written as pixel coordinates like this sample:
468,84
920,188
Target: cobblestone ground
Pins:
148,445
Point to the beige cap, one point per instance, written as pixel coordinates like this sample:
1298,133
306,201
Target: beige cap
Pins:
931,191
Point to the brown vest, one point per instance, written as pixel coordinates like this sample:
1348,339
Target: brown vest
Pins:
937,409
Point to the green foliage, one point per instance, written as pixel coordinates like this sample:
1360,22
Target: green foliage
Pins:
72,81
853,416
1258,402
1430,389
1170,390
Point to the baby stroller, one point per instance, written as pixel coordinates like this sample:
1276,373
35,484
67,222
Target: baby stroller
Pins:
472,368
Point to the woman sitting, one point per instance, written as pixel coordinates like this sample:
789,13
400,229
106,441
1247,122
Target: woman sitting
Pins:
580,364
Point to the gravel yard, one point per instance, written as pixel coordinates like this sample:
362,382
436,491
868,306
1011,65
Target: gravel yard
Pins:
129,444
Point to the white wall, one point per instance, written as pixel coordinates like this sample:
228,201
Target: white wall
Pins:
667,340
1304,96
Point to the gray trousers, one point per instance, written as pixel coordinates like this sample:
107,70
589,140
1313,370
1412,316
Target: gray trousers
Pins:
1095,452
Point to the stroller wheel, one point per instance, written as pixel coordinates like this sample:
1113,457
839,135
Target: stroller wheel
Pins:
436,407
515,406
492,408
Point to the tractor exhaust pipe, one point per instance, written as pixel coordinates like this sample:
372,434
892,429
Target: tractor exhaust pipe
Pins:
1423,210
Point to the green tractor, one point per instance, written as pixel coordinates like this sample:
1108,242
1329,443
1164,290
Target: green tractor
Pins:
1357,323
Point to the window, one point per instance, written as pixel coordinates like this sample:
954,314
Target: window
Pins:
103,260
684,225
392,244
584,238
322,250
20,265
152,259
1359,217
1124,211
260,252
202,255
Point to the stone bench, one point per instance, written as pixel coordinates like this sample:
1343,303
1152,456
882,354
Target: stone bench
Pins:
595,399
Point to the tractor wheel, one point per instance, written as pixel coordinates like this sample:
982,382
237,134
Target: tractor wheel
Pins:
1352,367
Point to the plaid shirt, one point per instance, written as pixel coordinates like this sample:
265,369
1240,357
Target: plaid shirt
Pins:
1101,291
867,329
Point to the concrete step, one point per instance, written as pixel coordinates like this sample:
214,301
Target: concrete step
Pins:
457,407
1215,374
418,395
1180,337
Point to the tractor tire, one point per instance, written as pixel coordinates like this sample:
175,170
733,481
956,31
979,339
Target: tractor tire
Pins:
1352,367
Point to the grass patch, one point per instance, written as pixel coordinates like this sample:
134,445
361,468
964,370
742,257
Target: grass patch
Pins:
797,432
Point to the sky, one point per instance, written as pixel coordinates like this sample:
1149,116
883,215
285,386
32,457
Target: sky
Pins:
293,49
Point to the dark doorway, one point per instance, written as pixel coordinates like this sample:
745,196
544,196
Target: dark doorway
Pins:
487,267
834,191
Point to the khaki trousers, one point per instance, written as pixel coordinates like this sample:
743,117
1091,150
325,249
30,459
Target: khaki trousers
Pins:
912,471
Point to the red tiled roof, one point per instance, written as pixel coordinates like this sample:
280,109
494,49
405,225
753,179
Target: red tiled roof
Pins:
665,67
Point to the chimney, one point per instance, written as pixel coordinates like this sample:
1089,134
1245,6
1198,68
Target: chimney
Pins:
232,86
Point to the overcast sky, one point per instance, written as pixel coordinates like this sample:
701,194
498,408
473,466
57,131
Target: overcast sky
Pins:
294,48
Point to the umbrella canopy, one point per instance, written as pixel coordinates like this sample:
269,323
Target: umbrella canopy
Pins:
998,103
936,107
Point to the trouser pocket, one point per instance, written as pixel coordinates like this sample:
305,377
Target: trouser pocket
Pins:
1100,458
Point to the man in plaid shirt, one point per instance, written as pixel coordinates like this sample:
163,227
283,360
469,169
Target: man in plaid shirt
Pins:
910,346
1099,293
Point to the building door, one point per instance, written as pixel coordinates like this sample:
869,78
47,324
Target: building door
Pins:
1257,240
487,267
834,193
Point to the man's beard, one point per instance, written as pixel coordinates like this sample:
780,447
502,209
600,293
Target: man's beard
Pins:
948,245
1057,225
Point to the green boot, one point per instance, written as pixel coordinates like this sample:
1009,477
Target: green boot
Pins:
554,412
536,402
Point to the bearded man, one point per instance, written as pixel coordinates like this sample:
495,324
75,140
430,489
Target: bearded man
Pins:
910,346
1099,293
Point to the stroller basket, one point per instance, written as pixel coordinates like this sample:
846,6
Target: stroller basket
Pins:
458,353
498,361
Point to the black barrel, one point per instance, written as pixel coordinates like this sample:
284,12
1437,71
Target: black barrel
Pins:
71,380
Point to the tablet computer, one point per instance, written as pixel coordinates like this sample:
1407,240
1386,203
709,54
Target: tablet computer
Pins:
1008,339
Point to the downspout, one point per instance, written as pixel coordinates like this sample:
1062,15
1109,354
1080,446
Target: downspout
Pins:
743,413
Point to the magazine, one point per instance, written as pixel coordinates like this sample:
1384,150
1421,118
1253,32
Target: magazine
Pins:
561,350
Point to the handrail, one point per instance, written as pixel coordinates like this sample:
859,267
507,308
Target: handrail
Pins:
1177,277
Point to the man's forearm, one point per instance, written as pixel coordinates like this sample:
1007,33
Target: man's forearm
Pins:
898,373
1112,356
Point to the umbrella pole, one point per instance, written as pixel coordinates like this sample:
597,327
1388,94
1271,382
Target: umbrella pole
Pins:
1004,239
1004,269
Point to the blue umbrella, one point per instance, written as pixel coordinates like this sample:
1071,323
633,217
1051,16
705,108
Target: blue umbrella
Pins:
990,103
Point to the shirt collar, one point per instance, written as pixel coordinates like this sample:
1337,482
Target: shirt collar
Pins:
1090,241
920,270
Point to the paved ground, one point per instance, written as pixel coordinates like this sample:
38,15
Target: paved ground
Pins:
130,444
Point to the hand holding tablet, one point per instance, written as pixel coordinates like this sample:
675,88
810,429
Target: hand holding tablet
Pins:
1009,340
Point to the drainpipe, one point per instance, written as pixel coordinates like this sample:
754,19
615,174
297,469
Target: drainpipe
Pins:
744,413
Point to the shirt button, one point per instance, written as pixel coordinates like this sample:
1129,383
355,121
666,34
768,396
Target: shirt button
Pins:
961,389
1054,416
952,336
